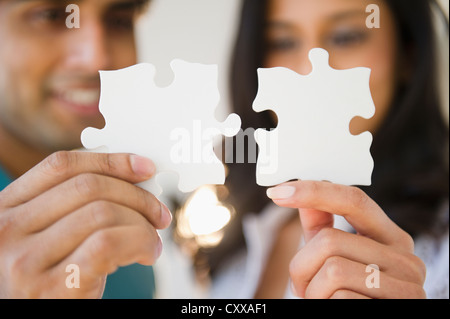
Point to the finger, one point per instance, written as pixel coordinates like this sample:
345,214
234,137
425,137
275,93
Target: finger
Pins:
313,221
331,243
350,202
342,274
45,210
104,251
62,238
347,294
61,166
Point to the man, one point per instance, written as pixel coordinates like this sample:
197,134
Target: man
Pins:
69,218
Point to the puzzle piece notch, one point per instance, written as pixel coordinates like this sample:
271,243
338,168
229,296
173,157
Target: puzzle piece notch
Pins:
312,140
144,119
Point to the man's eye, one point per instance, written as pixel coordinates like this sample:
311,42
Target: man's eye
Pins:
50,15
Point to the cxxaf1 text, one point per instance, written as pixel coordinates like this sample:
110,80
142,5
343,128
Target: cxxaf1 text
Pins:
231,308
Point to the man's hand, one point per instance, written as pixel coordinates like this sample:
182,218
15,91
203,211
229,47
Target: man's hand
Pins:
77,208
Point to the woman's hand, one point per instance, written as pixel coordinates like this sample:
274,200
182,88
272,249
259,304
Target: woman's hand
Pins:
333,263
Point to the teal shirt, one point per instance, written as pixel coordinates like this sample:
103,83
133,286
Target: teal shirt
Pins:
132,282
5,180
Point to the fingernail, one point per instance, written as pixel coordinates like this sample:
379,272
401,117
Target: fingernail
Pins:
166,215
142,166
281,192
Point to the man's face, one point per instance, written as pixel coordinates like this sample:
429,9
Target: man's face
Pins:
49,80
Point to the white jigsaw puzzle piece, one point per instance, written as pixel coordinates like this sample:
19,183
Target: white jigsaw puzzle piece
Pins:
312,140
172,126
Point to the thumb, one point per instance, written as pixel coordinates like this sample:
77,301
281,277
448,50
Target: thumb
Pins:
313,221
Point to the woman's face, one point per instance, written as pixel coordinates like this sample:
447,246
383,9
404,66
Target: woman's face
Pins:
296,26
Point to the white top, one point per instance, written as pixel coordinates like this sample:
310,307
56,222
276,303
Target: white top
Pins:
239,276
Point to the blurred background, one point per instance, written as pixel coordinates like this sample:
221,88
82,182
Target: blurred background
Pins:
203,31
198,31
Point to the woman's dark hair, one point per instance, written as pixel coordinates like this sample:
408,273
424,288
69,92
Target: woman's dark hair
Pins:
411,176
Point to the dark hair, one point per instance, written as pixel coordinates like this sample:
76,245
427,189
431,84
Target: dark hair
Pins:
410,150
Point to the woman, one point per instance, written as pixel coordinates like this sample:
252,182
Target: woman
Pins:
408,199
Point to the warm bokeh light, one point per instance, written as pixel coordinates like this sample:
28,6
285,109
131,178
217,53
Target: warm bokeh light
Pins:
203,218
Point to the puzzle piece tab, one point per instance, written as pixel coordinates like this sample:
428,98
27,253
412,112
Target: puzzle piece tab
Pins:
312,140
173,126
